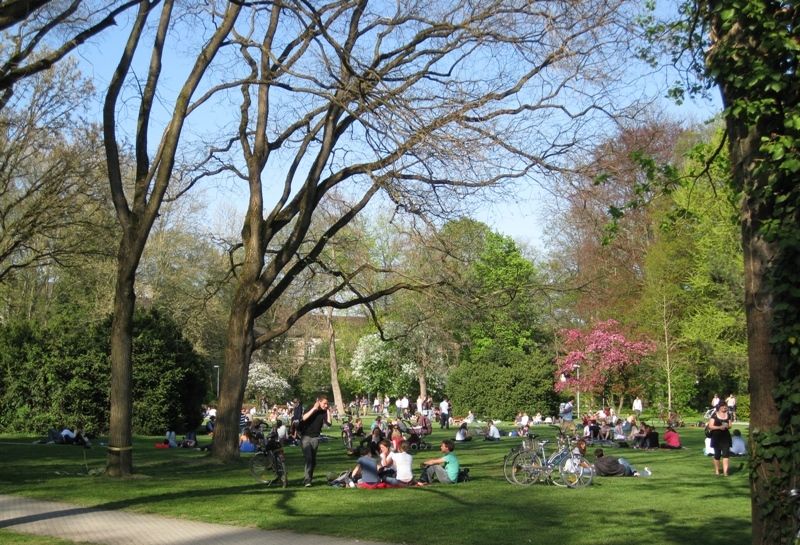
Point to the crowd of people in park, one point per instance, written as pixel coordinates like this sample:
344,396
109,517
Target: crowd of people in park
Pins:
384,450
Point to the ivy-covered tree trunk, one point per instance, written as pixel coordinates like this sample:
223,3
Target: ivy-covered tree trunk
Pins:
753,58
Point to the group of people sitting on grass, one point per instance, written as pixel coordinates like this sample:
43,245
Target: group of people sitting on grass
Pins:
67,436
628,432
392,466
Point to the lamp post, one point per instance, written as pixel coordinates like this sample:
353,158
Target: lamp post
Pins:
217,368
578,371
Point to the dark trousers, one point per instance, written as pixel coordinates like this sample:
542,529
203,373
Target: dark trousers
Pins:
309,446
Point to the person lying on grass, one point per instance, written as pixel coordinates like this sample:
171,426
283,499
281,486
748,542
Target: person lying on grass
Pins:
444,469
609,466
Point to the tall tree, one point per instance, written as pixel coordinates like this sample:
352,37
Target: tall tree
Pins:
138,208
606,267
424,104
749,50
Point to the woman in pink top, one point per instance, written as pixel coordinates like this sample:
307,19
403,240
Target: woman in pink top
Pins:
671,439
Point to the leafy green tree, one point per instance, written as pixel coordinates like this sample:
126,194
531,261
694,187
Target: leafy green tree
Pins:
380,367
493,299
694,282
749,50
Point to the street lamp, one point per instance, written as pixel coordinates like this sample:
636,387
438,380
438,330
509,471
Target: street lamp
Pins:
578,371
217,368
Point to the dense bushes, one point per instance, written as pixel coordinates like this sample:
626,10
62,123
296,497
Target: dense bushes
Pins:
58,375
499,382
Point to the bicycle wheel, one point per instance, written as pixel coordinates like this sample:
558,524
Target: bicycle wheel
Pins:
280,469
576,472
507,460
347,440
263,467
526,468
557,463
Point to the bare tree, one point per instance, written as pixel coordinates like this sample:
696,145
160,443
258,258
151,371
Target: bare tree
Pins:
137,210
50,172
424,105
39,33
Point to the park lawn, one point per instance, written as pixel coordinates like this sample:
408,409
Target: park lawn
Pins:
683,502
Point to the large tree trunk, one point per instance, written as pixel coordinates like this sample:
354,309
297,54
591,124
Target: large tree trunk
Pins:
119,458
238,351
759,255
334,364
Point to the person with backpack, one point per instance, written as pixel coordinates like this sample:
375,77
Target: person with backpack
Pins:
566,412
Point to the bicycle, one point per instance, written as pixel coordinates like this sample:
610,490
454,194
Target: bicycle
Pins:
268,464
347,433
528,443
564,467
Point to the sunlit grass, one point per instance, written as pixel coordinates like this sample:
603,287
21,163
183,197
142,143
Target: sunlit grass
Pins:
682,503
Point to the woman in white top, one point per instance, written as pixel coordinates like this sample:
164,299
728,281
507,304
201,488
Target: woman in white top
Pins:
402,463
463,433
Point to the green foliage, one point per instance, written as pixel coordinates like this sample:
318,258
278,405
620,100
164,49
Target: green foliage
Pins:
169,378
499,381
502,368
381,367
750,50
58,375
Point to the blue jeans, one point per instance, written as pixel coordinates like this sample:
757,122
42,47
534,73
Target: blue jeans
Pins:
629,469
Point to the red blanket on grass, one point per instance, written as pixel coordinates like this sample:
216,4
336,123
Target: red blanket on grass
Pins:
380,485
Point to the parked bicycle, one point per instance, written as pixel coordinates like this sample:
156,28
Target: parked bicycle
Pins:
268,464
528,443
347,432
564,467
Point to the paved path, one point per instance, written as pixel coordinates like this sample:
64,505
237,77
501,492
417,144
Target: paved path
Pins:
84,524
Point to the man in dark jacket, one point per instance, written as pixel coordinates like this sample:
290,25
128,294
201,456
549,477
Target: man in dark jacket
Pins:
607,466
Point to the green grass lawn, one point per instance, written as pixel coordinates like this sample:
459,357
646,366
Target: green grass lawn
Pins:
682,503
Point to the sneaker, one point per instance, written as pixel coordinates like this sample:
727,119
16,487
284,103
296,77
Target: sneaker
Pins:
307,485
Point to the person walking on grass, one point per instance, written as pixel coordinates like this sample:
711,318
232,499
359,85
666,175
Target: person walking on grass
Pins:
720,424
311,428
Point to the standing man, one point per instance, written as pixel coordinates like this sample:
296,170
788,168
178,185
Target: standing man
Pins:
444,414
731,403
637,407
311,428
567,414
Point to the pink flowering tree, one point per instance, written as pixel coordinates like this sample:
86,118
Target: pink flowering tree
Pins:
604,356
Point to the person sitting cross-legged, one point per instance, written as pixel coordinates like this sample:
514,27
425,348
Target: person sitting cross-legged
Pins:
492,433
445,468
